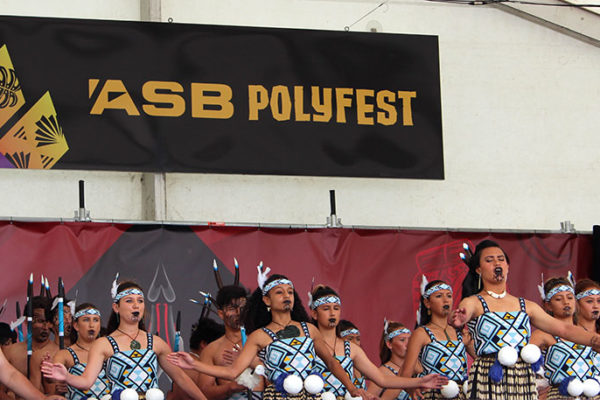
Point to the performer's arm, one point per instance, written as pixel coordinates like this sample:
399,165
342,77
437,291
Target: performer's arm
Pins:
367,368
61,357
464,313
418,339
541,320
162,351
208,384
249,351
17,382
99,352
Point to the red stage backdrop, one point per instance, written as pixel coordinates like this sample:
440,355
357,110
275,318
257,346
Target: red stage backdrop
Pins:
375,271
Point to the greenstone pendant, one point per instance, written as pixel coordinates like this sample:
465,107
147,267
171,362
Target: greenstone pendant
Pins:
135,345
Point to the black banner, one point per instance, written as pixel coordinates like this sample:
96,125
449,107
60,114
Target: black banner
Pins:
133,96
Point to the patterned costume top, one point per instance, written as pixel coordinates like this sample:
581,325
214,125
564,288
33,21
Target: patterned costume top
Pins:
493,329
99,388
565,359
135,369
333,384
444,357
294,355
360,382
402,395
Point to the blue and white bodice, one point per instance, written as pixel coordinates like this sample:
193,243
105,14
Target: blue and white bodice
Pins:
566,359
134,369
333,384
444,357
99,388
402,395
294,356
493,330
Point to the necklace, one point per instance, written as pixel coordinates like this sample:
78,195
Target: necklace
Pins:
334,343
283,326
444,329
496,295
134,344
236,345
288,331
81,347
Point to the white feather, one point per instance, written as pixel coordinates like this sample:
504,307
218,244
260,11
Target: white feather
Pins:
262,275
310,300
71,305
115,285
15,324
541,289
419,315
248,379
424,283
571,278
386,325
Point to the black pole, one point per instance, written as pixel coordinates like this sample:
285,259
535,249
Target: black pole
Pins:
332,201
81,195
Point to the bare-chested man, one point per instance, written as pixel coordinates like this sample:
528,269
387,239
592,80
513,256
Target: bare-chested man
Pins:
204,332
53,347
223,351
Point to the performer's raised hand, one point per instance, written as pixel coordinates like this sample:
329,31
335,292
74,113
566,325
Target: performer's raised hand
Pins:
182,360
55,371
458,318
433,381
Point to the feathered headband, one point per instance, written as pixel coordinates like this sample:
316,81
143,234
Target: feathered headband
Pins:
557,289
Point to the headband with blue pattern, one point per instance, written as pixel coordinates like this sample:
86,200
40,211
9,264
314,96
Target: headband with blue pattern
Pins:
589,292
331,299
86,311
348,332
435,288
274,283
557,289
127,292
395,333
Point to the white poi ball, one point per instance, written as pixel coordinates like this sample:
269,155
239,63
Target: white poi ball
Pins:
106,397
591,387
348,396
508,356
328,396
450,390
313,384
155,394
292,384
466,388
129,394
575,388
530,353
259,370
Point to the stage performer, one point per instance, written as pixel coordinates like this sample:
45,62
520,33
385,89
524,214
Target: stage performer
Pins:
587,293
346,330
392,353
223,351
500,327
564,360
86,328
437,347
289,344
127,351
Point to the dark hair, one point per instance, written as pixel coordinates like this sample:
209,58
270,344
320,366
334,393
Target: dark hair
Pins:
54,311
80,307
41,302
113,320
343,325
585,284
205,330
255,314
424,316
470,284
385,354
228,293
321,291
6,334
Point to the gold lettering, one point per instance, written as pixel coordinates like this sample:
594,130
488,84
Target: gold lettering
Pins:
363,108
388,115
324,109
122,102
342,102
299,104
407,118
222,105
258,99
281,104
176,102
